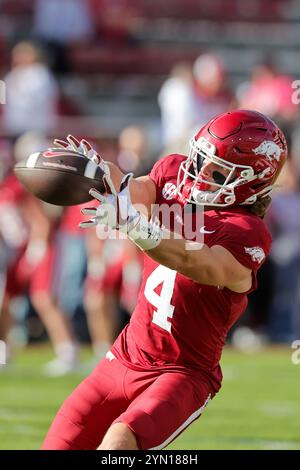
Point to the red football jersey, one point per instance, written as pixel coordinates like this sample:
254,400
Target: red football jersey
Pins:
179,323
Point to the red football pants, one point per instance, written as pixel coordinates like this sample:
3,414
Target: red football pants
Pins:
157,406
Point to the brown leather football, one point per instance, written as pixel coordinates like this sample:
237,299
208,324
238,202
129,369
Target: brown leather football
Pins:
60,176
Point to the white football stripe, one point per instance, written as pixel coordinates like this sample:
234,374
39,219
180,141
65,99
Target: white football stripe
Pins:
192,418
32,159
90,169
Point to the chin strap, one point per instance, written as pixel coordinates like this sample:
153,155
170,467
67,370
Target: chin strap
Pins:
263,193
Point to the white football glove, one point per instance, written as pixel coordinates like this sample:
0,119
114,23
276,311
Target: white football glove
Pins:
117,212
84,149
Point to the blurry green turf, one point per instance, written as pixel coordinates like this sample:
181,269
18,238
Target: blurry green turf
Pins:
258,406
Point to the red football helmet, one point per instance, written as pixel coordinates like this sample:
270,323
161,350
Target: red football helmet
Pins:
245,151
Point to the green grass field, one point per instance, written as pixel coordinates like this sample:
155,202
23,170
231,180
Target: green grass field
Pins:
258,406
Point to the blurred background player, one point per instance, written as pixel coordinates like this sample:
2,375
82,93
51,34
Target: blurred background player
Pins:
24,234
56,290
32,92
39,265
191,95
114,266
283,312
111,289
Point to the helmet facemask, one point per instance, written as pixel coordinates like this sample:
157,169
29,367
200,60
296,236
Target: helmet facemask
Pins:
225,177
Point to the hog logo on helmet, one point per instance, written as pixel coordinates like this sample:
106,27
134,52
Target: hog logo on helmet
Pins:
269,149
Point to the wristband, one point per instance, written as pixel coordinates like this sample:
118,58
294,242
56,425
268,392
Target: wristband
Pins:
146,235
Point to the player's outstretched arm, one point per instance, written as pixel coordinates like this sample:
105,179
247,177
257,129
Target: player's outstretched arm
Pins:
214,266
129,212
143,191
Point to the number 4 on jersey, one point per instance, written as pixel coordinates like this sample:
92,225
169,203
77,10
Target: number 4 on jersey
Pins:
164,309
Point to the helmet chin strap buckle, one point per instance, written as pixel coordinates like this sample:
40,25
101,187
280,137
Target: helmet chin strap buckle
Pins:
250,200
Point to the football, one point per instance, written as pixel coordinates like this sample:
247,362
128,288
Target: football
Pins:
60,176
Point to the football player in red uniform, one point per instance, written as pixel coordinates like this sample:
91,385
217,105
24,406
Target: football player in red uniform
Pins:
163,369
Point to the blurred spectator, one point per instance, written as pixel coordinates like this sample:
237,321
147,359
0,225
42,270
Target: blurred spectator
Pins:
59,23
284,314
29,142
115,21
270,93
190,97
295,147
176,101
133,151
211,93
63,21
31,92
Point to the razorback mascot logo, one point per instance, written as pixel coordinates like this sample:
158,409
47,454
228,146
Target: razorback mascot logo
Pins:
269,149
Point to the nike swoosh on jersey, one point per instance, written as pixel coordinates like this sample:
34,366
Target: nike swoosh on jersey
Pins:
202,230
